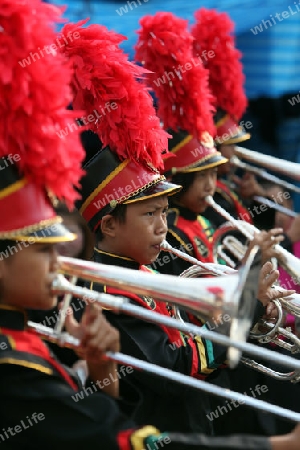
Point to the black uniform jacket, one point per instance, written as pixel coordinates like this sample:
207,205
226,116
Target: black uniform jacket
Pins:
191,234
44,406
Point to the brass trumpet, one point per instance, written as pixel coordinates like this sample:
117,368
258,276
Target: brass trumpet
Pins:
207,268
236,162
273,334
229,295
289,262
169,288
270,162
291,304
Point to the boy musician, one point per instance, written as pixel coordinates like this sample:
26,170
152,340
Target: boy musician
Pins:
213,30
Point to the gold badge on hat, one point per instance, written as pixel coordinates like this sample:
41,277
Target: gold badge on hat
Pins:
206,140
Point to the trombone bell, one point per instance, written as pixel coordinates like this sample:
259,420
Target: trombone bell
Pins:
230,294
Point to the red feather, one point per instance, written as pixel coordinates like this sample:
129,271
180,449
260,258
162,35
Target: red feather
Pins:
213,31
34,96
105,83
179,81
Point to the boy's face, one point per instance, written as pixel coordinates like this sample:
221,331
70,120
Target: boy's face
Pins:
26,277
143,231
204,184
227,150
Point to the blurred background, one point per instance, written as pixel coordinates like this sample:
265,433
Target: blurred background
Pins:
267,34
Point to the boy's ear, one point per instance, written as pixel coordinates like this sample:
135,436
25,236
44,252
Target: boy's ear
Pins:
108,225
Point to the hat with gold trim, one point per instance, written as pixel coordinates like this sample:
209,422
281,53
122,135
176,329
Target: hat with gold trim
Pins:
124,166
36,164
214,44
180,84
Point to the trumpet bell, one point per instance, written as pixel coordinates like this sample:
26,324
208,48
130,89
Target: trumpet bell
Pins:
246,292
202,297
227,294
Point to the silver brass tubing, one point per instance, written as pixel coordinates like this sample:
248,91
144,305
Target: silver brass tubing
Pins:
289,376
270,204
211,268
235,161
186,380
270,162
120,305
287,260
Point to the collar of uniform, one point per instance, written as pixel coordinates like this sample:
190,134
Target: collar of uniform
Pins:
115,260
13,318
185,212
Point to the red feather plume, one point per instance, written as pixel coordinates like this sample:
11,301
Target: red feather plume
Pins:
213,31
179,81
106,84
35,93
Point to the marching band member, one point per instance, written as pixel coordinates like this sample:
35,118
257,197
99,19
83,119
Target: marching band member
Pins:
212,34
37,392
184,107
37,409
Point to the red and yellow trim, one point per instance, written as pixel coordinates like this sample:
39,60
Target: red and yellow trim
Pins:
126,181
19,217
229,132
13,188
190,154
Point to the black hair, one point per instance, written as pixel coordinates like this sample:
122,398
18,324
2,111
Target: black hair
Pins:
89,241
184,179
118,213
6,244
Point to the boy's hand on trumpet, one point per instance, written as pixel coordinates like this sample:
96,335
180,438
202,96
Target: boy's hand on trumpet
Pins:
265,293
266,240
248,186
287,441
97,336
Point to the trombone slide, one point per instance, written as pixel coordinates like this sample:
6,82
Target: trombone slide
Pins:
270,204
270,162
61,286
235,161
154,369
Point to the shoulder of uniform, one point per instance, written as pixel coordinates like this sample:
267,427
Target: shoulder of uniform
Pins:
6,343
15,358
221,193
173,214
178,239
203,220
13,352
